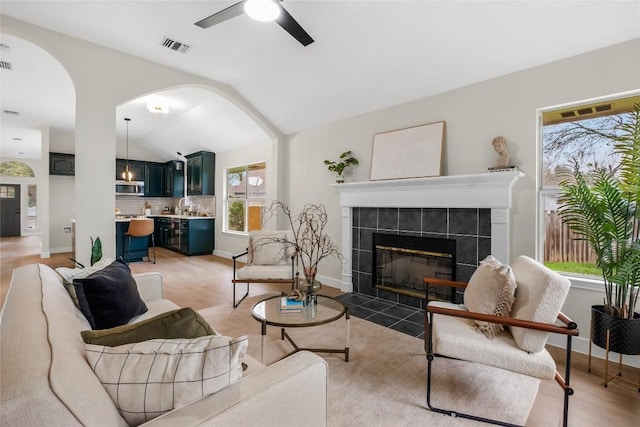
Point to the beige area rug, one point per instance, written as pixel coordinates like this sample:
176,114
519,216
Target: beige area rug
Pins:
384,382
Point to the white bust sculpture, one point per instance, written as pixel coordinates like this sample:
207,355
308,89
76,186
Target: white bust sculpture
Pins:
500,145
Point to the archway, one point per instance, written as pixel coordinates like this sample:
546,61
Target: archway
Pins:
40,95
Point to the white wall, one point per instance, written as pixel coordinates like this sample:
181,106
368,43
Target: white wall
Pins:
61,208
474,115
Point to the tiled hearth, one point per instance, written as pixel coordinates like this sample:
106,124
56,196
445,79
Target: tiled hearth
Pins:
402,318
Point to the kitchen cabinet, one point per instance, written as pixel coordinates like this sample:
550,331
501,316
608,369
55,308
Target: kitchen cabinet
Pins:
197,236
139,245
173,179
201,170
62,164
135,166
153,181
162,230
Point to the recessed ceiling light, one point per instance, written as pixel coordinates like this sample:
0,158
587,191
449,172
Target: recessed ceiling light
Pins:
158,107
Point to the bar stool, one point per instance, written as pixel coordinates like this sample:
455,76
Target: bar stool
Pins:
141,227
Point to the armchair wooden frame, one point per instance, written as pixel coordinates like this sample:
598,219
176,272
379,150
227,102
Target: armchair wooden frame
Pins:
235,280
570,329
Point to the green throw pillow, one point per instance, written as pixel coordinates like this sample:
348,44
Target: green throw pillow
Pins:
180,323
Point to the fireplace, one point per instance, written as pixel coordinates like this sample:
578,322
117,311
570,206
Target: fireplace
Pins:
401,262
473,210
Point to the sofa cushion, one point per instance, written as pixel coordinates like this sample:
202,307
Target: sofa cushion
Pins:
68,274
109,297
181,323
150,378
539,297
490,290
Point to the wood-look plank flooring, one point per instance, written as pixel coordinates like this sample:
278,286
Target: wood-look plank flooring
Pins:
203,281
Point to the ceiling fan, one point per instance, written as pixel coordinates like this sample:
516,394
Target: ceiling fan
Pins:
278,13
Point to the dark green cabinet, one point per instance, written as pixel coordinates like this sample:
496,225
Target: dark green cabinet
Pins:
153,180
135,166
197,236
62,164
173,179
201,170
162,231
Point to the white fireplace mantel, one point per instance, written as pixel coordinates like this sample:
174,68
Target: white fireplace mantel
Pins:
485,190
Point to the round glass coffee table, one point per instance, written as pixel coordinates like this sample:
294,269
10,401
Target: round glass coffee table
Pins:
327,310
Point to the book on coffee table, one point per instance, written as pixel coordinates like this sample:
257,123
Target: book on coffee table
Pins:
289,305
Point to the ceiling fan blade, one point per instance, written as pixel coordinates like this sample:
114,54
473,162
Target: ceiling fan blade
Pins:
292,27
218,17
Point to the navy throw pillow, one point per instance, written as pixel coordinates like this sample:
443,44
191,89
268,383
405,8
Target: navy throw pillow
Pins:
109,297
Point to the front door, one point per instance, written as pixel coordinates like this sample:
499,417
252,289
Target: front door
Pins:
9,210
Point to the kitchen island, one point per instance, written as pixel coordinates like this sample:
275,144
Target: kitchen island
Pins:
187,234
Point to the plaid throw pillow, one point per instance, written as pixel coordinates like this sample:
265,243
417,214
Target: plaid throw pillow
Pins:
149,378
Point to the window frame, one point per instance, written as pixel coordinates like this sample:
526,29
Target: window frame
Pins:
579,280
246,199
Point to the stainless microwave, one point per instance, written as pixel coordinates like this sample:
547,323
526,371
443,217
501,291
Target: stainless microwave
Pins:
129,188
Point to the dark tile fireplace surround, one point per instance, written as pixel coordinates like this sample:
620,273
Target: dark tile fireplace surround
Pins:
469,227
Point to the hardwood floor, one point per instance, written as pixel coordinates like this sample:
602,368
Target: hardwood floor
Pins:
204,281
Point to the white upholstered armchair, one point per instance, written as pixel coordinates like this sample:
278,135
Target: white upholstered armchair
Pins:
270,259
506,331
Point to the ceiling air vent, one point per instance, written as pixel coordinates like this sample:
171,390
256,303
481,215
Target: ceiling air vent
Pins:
4,65
10,113
174,45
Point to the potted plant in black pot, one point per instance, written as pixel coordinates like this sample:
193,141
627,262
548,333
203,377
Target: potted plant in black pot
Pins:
601,206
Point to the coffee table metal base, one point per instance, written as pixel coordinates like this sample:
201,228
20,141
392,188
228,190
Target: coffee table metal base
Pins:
285,335
267,312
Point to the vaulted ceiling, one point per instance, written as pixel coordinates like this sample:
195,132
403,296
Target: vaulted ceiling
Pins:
366,55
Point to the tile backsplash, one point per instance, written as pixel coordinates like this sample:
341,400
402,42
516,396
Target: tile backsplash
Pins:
130,205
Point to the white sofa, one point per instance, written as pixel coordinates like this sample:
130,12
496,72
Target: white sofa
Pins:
46,380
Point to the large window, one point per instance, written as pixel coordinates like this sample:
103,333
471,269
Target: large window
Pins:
245,198
578,134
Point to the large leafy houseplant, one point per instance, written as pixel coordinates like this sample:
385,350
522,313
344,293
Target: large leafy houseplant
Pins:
601,207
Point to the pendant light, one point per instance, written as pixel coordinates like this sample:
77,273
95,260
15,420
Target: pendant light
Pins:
127,175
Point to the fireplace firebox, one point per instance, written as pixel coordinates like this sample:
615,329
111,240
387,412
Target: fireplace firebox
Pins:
402,261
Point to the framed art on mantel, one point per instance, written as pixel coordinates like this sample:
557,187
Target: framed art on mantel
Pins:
413,152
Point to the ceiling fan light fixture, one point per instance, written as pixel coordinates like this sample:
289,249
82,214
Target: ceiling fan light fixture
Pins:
262,10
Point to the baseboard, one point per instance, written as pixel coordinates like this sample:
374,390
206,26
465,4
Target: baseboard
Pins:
581,345
222,254
60,250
